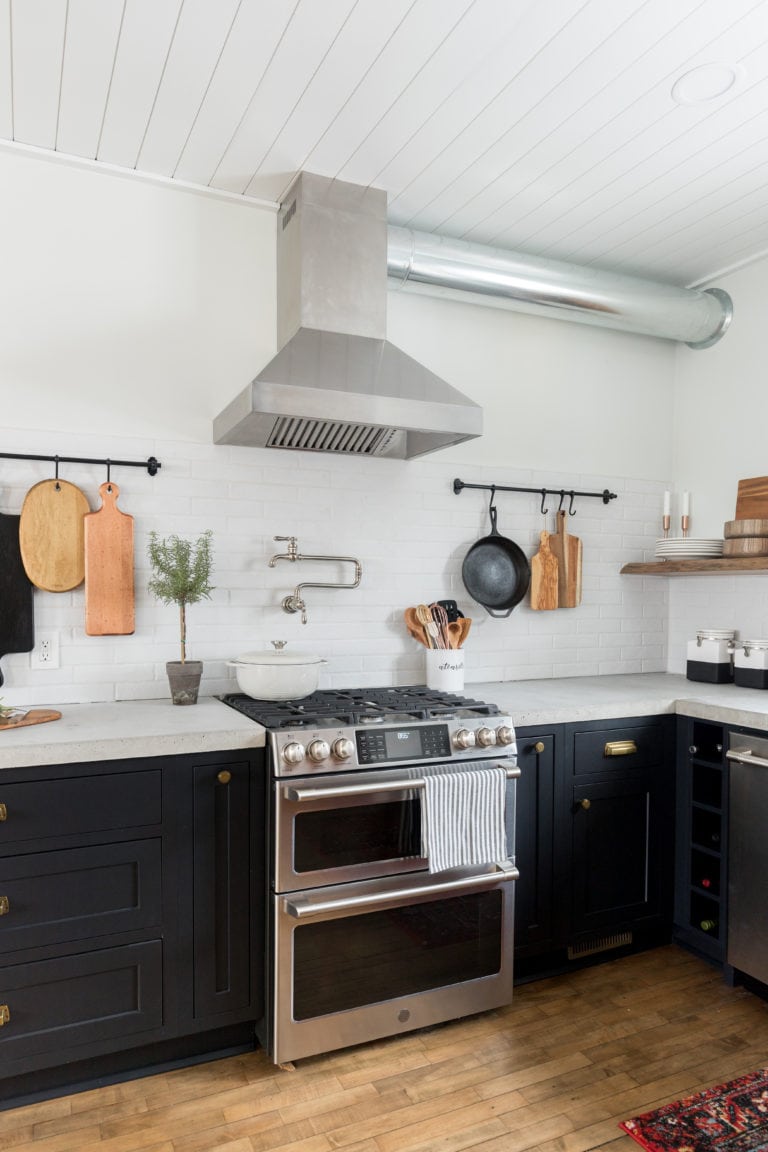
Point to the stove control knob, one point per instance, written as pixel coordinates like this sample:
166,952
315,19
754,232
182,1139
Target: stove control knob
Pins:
293,753
505,735
486,737
319,750
342,748
464,738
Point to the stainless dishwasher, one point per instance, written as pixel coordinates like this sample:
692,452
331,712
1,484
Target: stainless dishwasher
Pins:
748,855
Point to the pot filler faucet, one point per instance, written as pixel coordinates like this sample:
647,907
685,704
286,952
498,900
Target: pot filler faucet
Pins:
295,601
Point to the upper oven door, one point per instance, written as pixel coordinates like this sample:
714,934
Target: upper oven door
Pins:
355,826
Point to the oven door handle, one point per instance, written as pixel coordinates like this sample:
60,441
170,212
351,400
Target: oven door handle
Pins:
341,791
744,756
302,908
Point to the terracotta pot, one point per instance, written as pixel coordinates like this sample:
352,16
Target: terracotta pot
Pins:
184,680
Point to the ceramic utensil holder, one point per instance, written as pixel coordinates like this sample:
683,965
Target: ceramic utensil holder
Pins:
445,669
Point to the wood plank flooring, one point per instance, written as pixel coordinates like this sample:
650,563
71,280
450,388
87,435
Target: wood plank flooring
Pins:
554,1072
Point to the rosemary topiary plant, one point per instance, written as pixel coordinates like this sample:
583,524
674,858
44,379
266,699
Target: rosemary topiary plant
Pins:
181,574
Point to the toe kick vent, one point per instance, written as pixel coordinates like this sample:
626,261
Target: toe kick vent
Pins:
598,944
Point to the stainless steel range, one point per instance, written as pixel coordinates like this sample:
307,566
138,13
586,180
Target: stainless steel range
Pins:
364,941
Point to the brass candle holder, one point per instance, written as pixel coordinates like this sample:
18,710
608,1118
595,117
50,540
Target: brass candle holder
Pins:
666,521
685,524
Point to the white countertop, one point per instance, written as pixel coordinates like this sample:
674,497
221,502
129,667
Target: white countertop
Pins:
88,732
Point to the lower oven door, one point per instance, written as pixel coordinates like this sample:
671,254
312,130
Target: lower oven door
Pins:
356,962
355,826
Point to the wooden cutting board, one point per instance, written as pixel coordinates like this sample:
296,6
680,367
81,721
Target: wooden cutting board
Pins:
752,499
35,716
51,535
109,589
544,569
568,551
746,546
17,633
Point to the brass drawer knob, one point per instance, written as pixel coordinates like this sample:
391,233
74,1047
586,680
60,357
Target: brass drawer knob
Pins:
5,905
620,748
586,804
539,746
224,776
5,1014
3,812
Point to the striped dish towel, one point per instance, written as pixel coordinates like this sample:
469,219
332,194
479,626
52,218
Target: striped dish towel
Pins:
462,817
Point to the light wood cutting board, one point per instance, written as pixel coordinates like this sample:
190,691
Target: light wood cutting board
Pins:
752,499
544,568
568,551
35,716
109,588
51,535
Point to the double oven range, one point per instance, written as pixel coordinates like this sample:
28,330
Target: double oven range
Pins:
364,941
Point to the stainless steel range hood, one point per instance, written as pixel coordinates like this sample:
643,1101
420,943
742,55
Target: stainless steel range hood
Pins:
337,385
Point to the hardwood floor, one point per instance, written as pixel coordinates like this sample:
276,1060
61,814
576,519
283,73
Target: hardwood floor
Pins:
555,1072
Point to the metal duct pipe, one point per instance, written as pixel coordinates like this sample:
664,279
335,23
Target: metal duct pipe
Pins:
441,266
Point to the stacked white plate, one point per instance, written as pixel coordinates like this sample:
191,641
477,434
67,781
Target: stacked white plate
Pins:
687,548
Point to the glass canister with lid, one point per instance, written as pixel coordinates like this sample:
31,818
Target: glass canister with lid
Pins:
710,656
750,664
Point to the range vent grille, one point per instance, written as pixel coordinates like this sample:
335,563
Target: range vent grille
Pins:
598,944
331,436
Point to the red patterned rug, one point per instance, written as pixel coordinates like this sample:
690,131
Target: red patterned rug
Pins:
731,1117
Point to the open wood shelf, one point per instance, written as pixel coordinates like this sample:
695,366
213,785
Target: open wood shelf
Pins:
720,564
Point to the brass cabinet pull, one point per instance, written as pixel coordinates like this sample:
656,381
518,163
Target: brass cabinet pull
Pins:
5,905
5,1014
224,776
539,746
620,748
3,812
585,804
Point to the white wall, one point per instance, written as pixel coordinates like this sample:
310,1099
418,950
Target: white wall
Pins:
132,313
721,414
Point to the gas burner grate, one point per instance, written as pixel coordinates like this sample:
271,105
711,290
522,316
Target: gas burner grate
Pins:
345,707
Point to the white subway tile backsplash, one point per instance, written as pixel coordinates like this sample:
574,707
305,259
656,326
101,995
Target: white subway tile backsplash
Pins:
410,532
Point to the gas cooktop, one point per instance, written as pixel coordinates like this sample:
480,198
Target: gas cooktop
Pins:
349,706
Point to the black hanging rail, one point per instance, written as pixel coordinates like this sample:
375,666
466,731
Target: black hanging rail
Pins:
571,493
152,464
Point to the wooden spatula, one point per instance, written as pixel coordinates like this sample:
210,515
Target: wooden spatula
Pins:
544,569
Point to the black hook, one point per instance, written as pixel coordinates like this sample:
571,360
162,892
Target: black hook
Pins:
108,463
56,474
493,497
571,509
543,498
562,497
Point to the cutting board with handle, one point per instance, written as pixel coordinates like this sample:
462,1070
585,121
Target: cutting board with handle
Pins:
752,499
544,570
35,716
109,587
17,633
568,551
51,535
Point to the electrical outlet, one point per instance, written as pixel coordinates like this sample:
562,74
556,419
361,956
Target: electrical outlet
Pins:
45,653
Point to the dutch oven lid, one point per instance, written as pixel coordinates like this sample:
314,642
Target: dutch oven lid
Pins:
279,656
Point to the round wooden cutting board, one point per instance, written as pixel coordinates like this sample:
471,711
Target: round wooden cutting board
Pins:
51,535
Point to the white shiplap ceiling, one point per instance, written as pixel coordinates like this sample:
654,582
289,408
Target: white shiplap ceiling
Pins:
546,126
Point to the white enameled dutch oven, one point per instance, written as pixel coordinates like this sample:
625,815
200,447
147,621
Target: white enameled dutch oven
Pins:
277,675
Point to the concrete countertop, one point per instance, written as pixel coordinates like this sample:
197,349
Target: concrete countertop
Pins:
88,732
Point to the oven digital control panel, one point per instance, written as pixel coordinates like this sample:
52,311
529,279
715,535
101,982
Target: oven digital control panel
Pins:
405,743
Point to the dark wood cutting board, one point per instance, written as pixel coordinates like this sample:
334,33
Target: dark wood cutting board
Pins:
752,499
17,632
109,589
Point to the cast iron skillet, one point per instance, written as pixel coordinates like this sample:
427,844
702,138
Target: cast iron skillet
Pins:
496,571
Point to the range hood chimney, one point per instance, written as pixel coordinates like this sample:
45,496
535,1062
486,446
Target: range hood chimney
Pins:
337,385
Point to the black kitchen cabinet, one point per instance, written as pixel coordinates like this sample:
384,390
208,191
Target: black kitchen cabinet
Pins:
131,916
615,813
701,880
594,841
534,840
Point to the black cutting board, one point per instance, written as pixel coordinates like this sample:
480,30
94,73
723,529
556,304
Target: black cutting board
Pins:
17,631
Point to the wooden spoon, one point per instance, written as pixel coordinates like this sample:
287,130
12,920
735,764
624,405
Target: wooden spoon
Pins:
454,629
466,624
419,634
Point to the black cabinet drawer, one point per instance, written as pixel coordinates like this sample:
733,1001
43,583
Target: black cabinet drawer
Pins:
618,749
39,809
52,1005
50,897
